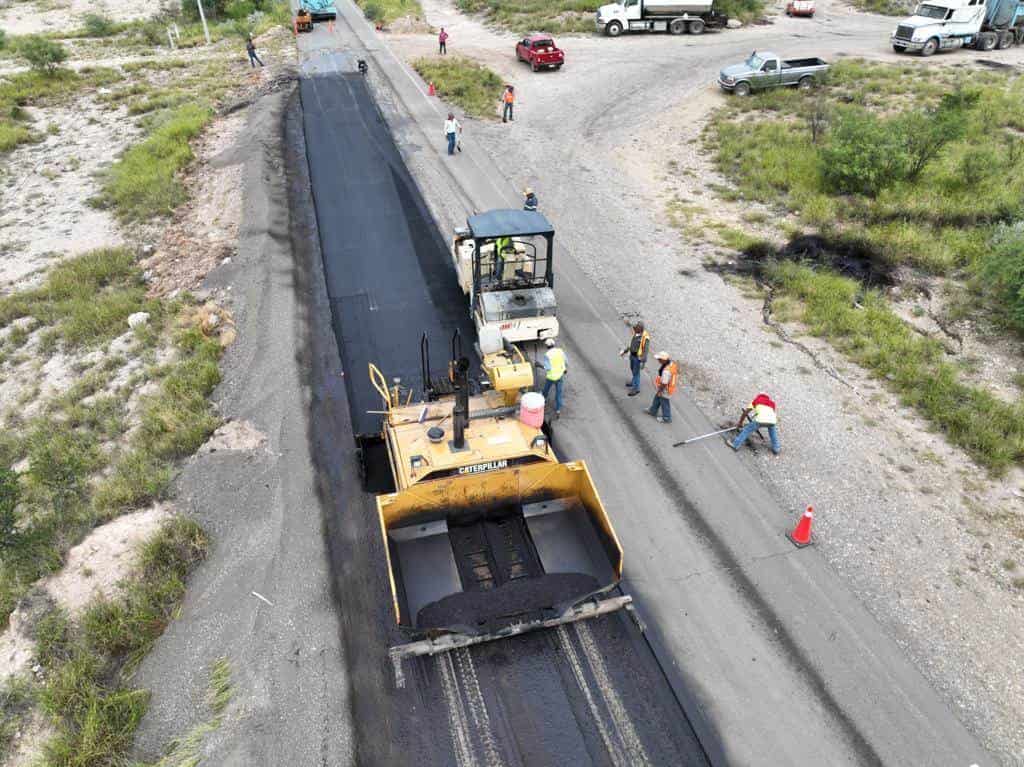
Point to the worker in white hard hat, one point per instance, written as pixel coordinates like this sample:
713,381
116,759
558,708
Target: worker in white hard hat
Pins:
554,369
531,199
665,386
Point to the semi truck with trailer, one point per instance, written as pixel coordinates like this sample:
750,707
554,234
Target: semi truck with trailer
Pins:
942,25
673,16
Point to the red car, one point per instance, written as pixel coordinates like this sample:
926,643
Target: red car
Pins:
540,51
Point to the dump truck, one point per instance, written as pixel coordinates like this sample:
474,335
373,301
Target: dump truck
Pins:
487,534
503,259
321,10
943,25
673,16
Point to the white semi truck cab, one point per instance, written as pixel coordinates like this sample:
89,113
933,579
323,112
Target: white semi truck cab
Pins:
674,16
948,24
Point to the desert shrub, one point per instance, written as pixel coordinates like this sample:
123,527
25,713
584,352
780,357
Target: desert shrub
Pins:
41,54
98,25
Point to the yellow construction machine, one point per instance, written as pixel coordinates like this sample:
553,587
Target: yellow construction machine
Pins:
303,20
487,534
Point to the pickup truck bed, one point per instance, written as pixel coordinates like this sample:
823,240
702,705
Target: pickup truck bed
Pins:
798,63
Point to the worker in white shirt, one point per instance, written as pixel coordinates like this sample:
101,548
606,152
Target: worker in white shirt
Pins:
452,129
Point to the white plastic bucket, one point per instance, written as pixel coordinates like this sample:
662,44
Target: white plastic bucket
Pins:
531,409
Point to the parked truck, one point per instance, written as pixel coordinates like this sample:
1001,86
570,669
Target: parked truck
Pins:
942,25
764,69
674,16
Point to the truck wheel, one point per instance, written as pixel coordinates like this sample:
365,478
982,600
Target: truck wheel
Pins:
987,41
806,83
696,27
1005,40
930,47
614,29
533,65
677,27
898,48
742,89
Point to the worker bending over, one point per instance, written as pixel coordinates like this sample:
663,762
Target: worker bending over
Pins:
637,350
531,200
761,412
555,368
665,385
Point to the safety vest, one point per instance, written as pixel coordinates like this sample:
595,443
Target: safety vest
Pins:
638,345
502,244
764,414
556,363
509,97
673,377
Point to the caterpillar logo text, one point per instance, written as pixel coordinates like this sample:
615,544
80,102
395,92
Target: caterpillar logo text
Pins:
480,467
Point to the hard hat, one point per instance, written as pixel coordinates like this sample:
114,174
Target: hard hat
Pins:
528,190
549,342
662,356
638,325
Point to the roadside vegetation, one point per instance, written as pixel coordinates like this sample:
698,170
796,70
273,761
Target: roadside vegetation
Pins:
87,662
80,465
471,86
385,12
918,171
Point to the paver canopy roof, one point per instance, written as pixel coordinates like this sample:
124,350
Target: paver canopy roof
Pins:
509,223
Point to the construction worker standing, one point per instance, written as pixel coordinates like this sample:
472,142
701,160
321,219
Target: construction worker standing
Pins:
554,368
530,203
665,383
508,98
761,412
638,347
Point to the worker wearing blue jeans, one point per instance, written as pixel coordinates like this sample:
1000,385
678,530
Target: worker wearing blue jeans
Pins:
554,368
760,412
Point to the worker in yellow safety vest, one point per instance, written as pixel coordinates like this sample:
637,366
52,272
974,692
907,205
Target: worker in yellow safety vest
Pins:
665,386
762,411
554,369
637,350
502,245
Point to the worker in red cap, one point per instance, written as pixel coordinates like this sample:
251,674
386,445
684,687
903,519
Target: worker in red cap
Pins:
761,412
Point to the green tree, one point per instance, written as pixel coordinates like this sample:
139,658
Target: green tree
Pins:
924,133
41,54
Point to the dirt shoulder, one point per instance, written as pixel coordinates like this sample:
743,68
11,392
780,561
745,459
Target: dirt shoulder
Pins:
263,599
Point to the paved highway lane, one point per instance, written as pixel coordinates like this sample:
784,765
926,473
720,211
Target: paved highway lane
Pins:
786,661
585,694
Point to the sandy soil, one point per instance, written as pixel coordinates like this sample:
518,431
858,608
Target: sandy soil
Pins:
43,211
95,567
21,17
923,535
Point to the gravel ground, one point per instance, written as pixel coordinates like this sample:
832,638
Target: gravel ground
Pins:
924,537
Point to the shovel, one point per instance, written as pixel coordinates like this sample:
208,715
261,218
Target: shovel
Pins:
704,436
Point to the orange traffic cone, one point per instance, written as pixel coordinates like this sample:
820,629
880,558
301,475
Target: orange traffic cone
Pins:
430,89
801,535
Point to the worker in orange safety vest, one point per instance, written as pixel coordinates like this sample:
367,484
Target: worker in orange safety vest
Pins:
508,98
665,384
